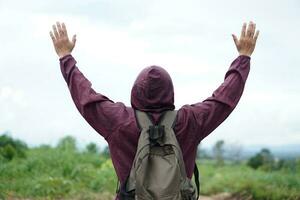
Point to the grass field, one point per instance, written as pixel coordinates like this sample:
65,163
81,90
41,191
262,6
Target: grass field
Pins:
56,173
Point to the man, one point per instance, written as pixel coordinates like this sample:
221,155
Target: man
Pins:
153,92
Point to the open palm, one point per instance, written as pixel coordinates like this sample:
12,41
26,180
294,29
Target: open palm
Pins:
63,46
246,44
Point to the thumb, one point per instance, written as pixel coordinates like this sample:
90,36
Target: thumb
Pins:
74,40
235,39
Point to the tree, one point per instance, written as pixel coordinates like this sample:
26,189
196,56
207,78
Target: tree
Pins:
218,151
106,152
255,161
264,159
234,152
17,144
10,148
67,143
8,152
92,148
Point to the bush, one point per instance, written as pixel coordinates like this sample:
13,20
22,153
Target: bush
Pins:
92,148
10,148
17,144
8,152
264,160
105,179
67,143
52,187
287,165
242,180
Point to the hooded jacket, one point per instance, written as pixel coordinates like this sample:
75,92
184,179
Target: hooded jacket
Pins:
153,92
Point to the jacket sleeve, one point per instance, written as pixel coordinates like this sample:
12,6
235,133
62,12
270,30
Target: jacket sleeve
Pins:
206,116
99,111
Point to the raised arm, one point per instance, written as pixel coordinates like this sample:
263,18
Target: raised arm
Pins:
209,114
99,111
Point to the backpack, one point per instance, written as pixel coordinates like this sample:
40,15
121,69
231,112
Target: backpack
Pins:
158,170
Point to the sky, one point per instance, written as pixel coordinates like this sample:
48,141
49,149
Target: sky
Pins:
117,39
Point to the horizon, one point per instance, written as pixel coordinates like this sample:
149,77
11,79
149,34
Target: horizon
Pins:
245,149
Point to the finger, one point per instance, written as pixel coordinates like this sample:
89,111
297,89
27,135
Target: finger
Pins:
64,29
250,30
254,27
52,36
61,33
243,32
256,35
235,39
55,31
74,39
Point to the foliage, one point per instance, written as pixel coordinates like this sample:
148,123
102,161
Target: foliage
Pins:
56,173
106,152
242,180
10,148
66,173
92,148
263,159
52,187
8,152
67,143
17,144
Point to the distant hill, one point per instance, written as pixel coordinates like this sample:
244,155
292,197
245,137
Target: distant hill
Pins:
280,151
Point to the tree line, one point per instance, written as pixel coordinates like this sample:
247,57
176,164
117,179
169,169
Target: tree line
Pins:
11,148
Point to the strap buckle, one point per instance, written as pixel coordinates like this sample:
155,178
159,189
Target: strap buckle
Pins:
156,132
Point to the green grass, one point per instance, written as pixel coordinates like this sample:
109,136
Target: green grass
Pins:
245,181
53,173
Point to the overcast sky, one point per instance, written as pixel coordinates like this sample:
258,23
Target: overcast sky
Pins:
116,39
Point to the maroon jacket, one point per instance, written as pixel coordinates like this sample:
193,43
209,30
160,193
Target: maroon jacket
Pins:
153,92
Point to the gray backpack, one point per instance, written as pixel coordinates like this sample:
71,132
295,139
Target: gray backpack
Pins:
158,170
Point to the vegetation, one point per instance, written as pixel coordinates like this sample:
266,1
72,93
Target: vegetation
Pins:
60,172
262,159
243,181
10,148
218,151
64,172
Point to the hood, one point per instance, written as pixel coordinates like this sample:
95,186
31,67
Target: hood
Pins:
153,91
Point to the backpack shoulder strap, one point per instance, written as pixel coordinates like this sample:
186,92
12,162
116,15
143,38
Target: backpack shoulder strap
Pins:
196,176
169,118
142,119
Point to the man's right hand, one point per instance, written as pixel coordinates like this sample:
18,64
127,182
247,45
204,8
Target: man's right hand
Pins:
63,46
246,44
